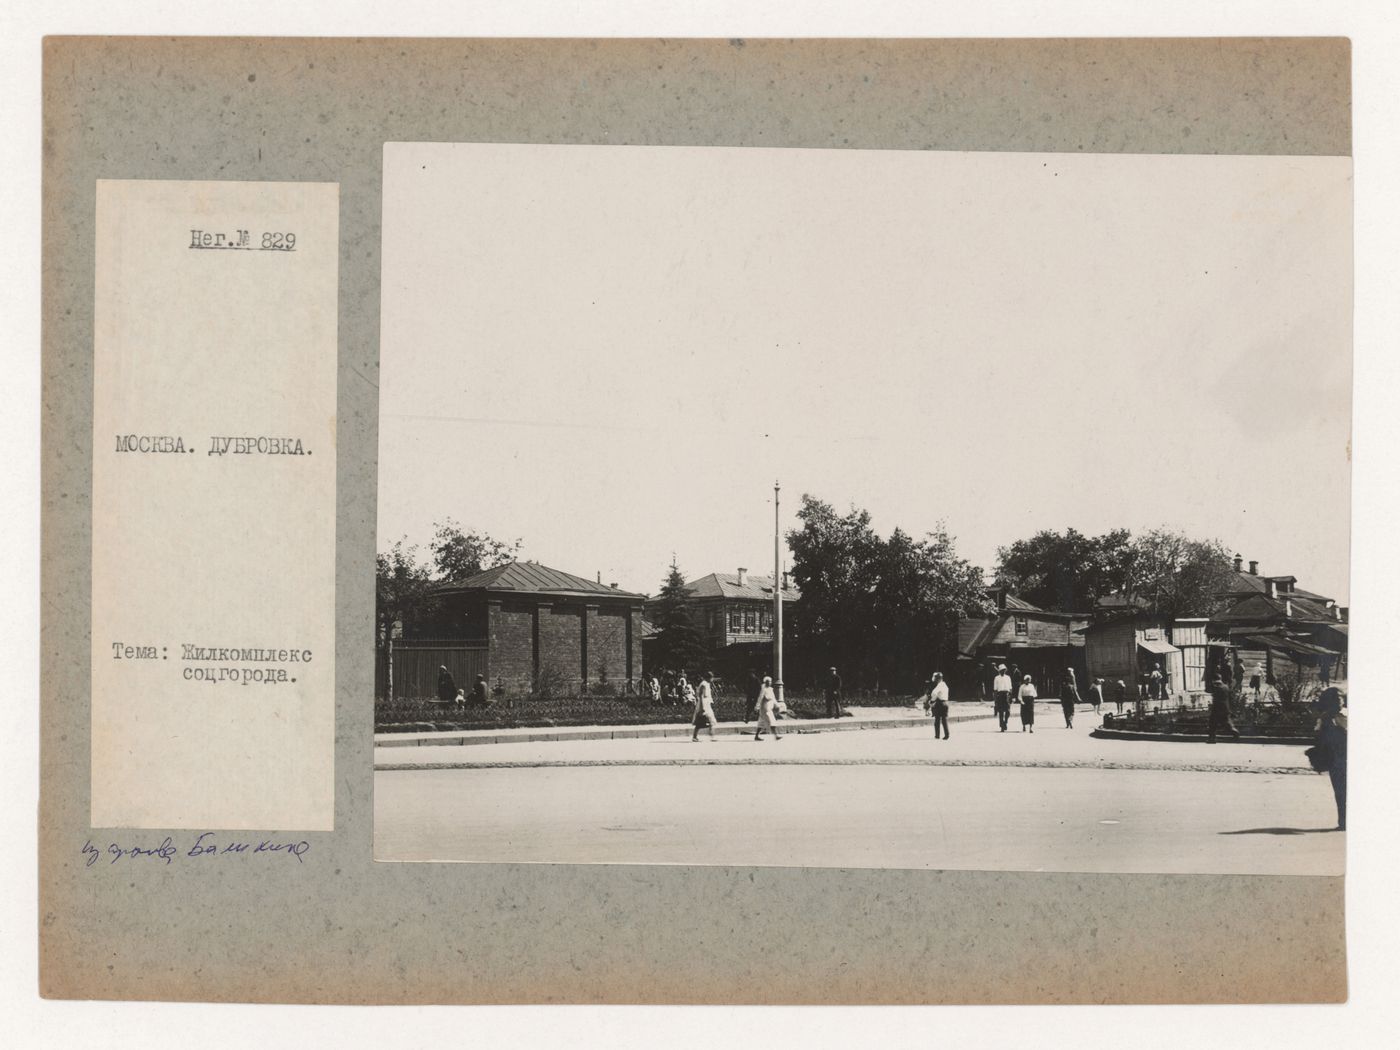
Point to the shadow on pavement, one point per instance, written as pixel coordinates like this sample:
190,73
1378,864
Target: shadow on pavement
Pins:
1280,831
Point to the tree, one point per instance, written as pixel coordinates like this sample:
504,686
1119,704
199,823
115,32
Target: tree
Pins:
922,590
401,587
458,554
1065,572
1167,572
835,565
1174,575
883,611
401,584
679,645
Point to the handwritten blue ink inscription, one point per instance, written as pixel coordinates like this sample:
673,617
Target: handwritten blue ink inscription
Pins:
204,847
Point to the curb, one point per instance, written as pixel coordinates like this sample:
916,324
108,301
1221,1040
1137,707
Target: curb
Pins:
1197,738
1151,767
679,729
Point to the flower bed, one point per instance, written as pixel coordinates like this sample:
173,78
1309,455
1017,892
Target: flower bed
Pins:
1284,720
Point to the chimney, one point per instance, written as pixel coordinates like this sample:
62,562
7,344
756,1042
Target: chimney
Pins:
786,585
1239,563
1288,608
613,586
1254,568
1337,612
600,575
742,575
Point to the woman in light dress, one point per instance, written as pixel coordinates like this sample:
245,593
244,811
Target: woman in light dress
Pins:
1026,695
704,707
767,710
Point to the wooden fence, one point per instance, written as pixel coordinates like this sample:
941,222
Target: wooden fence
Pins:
416,663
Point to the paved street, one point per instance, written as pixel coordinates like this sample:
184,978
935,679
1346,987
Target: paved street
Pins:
1056,800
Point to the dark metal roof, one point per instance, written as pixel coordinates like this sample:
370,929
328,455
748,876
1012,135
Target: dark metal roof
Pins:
526,577
726,585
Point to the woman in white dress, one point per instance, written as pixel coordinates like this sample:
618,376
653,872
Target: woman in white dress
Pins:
705,707
767,711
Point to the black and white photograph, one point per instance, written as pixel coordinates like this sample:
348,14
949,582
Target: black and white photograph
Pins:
853,508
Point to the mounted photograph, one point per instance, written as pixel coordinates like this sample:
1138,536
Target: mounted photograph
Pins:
863,509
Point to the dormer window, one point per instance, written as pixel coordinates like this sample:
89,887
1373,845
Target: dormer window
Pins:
1023,627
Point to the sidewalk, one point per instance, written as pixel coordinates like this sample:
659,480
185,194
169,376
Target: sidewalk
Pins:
860,718
902,742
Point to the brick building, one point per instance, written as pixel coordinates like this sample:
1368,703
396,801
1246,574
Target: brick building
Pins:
538,628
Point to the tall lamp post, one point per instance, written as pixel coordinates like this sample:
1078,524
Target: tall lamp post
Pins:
777,599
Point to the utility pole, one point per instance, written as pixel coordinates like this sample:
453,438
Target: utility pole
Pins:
777,599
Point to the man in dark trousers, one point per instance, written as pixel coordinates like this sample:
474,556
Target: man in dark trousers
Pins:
1220,709
833,695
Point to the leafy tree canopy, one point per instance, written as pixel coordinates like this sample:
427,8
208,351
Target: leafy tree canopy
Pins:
458,554
884,611
1163,570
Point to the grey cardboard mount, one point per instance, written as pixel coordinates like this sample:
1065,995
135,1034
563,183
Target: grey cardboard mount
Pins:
340,928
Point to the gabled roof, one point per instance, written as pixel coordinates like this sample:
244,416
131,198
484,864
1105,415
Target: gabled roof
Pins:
526,577
1245,583
1014,604
972,632
1288,607
726,585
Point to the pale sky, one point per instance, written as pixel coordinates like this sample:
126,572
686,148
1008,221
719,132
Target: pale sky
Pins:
612,352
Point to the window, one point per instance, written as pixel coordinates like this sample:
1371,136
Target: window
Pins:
765,621
736,621
750,622
1151,634
1023,628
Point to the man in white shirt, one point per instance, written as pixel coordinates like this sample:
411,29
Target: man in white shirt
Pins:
938,705
1001,696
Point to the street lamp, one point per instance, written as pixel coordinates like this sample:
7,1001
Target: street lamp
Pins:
777,599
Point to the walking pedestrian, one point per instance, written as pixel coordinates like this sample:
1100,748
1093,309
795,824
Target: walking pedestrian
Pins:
1096,694
1256,681
704,708
446,686
479,697
1120,694
833,695
1069,696
1026,696
938,704
1220,709
767,710
1332,742
1001,696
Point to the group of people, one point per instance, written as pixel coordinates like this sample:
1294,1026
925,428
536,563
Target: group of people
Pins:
762,703
1005,683
448,693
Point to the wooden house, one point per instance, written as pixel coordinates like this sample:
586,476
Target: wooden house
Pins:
1271,624
1037,642
734,614
1127,646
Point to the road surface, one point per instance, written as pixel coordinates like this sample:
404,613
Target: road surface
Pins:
1055,801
